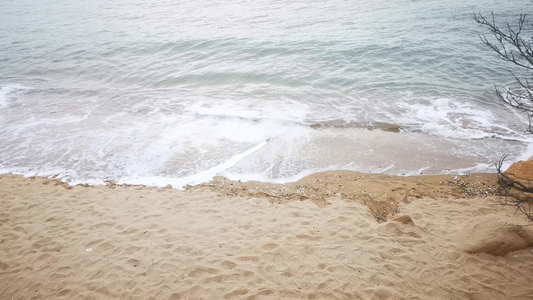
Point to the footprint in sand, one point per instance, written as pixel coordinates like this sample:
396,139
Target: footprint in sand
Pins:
201,271
229,265
270,246
236,293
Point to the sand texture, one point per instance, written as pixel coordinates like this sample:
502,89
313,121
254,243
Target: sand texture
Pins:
383,194
449,241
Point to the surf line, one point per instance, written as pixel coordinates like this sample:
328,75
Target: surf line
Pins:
204,176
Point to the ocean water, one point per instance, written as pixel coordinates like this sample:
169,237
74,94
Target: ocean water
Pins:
176,92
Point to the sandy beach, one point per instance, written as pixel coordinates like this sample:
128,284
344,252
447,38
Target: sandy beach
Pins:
320,238
266,150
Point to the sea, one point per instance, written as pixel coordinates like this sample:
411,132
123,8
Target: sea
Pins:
175,92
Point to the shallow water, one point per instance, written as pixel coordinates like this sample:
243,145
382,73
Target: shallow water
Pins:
176,92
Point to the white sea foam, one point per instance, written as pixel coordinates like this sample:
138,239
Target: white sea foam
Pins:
8,89
288,110
196,178
244,142
453,119
528,153
478,168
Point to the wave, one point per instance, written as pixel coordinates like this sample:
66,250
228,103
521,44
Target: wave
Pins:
157,139
8,89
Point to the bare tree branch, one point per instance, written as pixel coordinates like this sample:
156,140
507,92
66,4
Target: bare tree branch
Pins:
520,193
522,54
511,46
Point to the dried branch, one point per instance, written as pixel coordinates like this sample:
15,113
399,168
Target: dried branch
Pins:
520,193
522,49
511,46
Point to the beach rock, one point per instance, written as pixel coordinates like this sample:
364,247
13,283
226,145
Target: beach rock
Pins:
404,220
494,236
521,173
521,170
388,127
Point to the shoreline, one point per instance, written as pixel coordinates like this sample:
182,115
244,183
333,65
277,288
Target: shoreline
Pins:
381,193
235,240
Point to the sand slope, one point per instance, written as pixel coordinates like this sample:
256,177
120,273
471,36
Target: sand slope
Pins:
142,243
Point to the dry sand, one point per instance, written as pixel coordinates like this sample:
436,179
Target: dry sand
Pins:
224,240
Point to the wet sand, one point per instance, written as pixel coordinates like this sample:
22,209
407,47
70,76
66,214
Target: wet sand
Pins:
329,236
